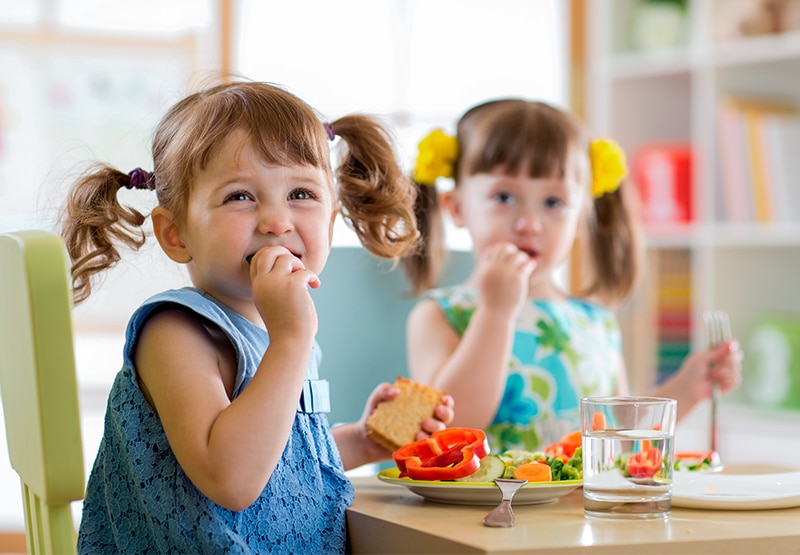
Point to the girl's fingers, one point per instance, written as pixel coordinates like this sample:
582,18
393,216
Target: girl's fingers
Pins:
726,368
431,425
280,260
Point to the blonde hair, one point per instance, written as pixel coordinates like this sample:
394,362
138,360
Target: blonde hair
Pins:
515,135
375,198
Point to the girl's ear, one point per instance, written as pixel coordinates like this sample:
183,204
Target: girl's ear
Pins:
169,236
451,203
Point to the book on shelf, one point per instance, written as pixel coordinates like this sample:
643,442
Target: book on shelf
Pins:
733,168
662,173
782,147
761,188
758,139
673,307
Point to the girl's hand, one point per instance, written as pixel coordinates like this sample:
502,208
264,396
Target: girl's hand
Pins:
726,365
442,416
721,364
502,276
280,284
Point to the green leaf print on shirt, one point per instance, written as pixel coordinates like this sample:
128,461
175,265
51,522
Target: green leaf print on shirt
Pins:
540,387
507,435
460,317
554,336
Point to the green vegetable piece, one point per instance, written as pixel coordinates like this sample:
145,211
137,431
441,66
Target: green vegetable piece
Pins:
555,468
491,467
576,460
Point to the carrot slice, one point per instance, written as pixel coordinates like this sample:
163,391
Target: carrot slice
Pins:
598,421
533,472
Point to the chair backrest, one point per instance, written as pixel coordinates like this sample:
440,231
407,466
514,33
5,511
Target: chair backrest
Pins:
362,308
39,386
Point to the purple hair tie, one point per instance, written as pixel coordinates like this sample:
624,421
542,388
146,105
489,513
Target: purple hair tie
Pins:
140,179
329,129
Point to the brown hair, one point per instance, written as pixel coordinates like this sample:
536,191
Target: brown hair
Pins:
515,135
375,198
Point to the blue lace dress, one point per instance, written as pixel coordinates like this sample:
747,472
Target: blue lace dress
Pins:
562,351
139,500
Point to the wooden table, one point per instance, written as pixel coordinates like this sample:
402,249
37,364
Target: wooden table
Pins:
387,518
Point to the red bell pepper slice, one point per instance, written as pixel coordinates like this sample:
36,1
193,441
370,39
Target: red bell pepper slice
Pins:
564,448
645,463
444,455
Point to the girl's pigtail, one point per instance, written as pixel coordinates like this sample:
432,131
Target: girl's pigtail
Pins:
436,157
615,247
376,198
94,221
424,265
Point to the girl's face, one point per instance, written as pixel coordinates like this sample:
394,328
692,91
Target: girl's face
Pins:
240,204
539,216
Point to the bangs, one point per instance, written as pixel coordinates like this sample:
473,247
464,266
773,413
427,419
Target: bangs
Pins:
516,136
284,131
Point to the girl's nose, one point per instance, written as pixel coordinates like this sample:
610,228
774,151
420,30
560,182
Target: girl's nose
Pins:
274,220
528,222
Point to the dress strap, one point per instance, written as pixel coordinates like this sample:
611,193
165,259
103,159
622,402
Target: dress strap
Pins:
315,397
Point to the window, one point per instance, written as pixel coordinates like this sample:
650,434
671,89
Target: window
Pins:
417,63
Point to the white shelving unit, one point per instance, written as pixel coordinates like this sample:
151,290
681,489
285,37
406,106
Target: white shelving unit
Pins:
671,95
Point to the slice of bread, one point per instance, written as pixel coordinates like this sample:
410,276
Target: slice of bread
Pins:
395,423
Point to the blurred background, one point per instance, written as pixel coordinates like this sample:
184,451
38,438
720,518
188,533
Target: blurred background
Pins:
702,95
86,80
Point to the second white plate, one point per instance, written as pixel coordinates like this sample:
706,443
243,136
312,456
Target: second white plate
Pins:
702,490
480,493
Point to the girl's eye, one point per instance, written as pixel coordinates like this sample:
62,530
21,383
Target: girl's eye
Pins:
238,195
504,198
301,194
553,202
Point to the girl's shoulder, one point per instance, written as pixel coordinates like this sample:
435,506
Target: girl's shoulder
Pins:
575,308
193,301
454,295
457,302
589,307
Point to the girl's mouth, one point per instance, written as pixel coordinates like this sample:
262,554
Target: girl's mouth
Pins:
249,257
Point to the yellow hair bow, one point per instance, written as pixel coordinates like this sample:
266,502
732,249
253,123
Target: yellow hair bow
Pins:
436,157
609,167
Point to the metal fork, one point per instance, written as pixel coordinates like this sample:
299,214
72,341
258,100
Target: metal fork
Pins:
502,516
718,330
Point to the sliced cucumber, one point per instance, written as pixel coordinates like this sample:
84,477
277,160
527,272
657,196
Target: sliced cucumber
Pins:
491,467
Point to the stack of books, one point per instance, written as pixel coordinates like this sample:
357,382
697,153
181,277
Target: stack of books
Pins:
759,166
673,310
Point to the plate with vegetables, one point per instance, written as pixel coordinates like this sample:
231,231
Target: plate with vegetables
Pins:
455,466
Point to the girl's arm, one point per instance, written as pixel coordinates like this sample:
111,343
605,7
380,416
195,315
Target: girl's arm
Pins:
355,446
472,368
229,449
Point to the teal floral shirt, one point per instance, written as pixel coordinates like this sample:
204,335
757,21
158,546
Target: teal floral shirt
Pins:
562,351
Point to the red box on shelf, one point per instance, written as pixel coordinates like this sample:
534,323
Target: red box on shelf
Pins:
663,176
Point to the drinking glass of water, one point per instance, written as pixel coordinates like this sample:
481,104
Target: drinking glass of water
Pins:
628,456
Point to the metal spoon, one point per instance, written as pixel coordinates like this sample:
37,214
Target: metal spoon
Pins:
502,516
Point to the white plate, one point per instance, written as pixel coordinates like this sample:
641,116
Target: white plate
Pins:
703,490
480,493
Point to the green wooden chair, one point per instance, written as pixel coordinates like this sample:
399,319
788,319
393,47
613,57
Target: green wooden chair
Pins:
39,386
